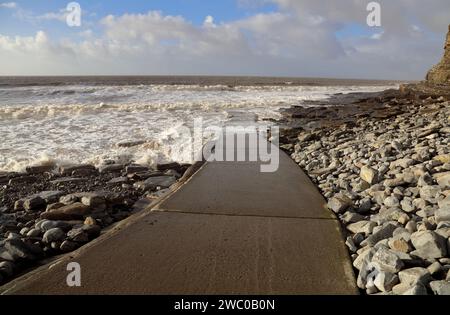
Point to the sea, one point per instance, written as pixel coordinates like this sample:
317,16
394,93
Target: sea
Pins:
140,119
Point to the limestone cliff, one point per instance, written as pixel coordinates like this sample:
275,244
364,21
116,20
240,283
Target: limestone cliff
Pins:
440,73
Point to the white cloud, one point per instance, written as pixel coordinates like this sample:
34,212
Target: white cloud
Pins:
58,16
8,5
86,33
300,39
209,21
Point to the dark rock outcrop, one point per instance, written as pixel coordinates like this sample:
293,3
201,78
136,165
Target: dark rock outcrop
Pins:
440,73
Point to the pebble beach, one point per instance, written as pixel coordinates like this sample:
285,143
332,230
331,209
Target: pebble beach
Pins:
383,165
49,211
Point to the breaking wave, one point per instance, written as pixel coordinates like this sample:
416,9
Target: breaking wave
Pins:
88,123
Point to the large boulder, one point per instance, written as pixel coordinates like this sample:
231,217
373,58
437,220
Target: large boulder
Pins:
33,203
429,245
387,261
70,212
339,203
363,227
413,276
153,183
19,250
78,235
67,170
53,235
443,179
369,175
440,287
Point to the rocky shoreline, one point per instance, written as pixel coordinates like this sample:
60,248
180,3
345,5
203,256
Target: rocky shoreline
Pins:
381,160
48,211
383,164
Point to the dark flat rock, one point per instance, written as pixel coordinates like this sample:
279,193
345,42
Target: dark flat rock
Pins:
68,180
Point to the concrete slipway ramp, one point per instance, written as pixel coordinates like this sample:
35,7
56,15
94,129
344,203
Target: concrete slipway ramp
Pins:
229,229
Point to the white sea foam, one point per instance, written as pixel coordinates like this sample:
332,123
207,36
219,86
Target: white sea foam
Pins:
62,124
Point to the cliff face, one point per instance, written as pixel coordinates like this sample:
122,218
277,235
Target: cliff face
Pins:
440,73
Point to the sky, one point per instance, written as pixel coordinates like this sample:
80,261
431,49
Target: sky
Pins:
301,38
